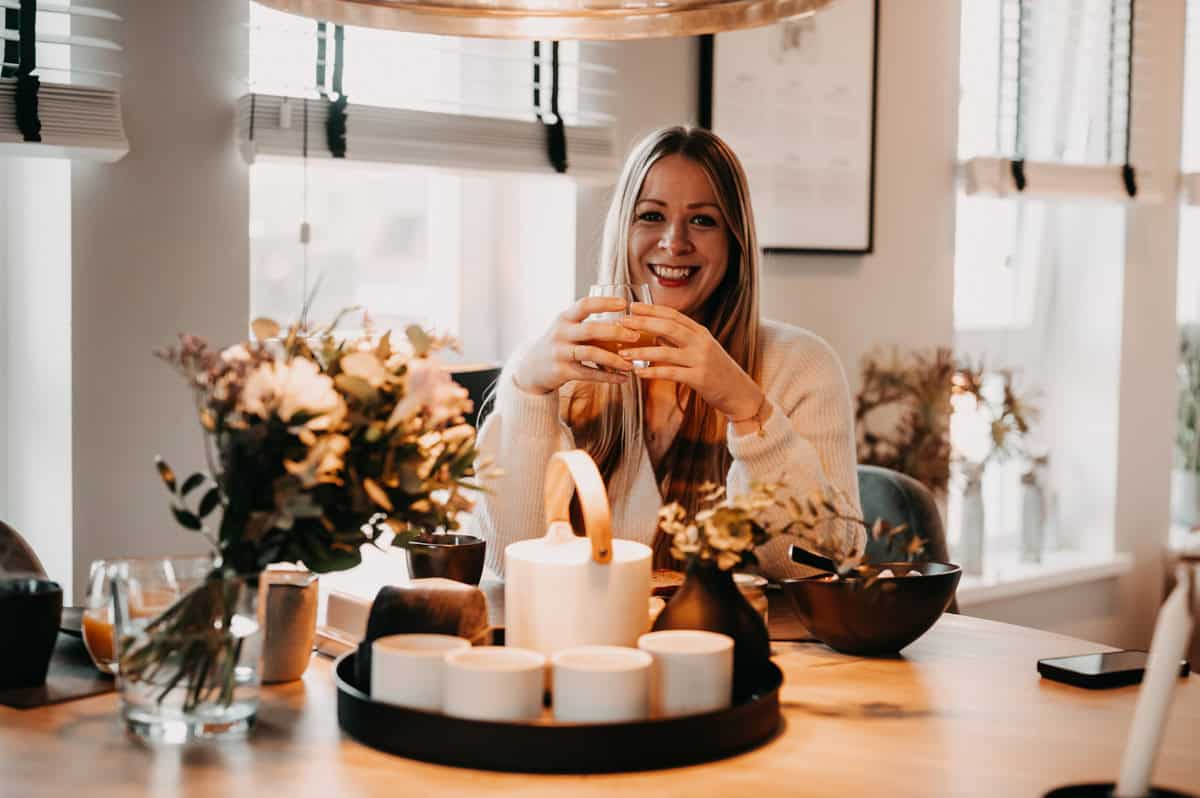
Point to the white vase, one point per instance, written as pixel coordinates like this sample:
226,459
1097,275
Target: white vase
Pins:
1185,497
1033,518
970,541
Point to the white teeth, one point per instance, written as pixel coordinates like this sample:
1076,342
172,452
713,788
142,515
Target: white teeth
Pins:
670,273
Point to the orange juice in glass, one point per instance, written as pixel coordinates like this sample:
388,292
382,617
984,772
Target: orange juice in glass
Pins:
630,292
155,583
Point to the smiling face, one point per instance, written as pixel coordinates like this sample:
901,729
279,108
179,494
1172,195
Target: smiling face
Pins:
679,238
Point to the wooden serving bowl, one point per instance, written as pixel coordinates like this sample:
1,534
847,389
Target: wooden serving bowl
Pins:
856,616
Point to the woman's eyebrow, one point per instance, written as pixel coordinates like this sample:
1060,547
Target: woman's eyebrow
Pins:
690,204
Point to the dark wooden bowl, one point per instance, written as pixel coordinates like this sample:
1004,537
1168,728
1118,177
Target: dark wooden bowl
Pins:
874,619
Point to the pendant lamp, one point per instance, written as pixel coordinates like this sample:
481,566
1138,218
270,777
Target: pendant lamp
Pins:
554,19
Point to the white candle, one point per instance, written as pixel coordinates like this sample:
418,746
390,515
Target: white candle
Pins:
1171,634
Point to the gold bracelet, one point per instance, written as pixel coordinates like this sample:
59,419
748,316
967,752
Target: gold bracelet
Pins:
755,416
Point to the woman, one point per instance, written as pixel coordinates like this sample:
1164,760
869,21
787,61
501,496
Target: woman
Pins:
726,398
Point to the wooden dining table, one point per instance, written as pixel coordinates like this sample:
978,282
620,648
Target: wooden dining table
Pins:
962,712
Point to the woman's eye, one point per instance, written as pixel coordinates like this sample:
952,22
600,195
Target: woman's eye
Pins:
650,216
704,220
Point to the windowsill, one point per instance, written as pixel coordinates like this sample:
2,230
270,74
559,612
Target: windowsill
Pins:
1006,577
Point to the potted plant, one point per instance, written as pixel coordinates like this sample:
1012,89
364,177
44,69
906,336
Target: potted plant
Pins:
723,535
1185,487
995,422
902,414
314,446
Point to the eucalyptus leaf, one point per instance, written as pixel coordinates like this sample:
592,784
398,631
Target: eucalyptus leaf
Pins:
377,494
186,519
410,480
420,340
264,328
191,483
357,387
209,502
402,539
165,472
384,349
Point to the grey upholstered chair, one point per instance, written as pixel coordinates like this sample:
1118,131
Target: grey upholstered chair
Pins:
16,555
897,499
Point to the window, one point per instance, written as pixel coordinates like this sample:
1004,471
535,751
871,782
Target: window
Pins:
1038,278
1188,286
427,228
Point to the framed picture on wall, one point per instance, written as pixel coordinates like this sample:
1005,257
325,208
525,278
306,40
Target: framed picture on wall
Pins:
796,101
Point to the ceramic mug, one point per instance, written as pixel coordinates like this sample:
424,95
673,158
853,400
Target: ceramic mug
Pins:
494,683
30,612
409,670
290,601
601,684
692,671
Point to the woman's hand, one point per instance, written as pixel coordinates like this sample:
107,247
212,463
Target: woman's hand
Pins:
558,356
694,358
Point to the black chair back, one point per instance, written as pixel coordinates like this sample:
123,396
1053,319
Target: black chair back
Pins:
477,379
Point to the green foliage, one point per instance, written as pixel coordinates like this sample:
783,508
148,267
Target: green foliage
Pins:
1187,428
727,530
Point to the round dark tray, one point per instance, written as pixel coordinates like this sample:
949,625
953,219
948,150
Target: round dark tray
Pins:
547,747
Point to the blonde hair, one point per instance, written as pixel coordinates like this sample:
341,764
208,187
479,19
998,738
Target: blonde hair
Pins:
607,419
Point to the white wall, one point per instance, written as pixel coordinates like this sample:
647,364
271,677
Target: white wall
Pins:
1149,338
160,245
902,292
35,361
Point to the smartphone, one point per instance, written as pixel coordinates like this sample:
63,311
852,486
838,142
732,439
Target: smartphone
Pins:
1095,671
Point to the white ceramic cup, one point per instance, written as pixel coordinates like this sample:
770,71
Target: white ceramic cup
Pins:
408,670
494,683
692,672
601,684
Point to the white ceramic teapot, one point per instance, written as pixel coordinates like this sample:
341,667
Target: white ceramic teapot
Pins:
562,590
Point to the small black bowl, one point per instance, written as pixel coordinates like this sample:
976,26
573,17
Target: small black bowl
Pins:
874,619
30,611
457,557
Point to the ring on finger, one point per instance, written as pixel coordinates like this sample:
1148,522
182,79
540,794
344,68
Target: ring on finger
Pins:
575,353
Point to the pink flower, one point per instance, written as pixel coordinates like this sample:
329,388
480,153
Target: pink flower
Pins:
286,389
428,387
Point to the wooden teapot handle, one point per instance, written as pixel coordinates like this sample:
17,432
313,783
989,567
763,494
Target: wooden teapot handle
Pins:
575,472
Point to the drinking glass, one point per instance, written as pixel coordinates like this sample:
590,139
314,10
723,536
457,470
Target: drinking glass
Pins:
155,583
630,292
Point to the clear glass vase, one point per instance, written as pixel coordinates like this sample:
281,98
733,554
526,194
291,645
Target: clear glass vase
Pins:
193,671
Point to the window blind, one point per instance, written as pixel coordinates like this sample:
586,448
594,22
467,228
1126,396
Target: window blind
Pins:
1055,118
54,106
424,99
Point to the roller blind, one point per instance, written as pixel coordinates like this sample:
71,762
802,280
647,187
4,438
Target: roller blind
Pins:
423,99
1049,114
54,107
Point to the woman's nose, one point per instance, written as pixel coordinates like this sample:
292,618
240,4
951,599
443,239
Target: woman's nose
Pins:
675,240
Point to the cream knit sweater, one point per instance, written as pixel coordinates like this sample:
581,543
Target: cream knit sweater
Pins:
808,441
